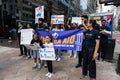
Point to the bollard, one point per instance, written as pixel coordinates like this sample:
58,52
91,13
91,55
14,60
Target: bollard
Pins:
118,66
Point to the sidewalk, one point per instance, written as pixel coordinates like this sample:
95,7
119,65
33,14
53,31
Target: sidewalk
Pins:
13,67
8,43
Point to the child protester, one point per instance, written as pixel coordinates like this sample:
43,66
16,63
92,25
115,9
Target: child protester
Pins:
49,44
38,44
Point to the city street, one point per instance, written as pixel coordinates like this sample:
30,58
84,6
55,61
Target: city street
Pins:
55,26
13,67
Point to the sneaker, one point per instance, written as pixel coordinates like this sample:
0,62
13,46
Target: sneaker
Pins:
75,56
59,59
28,57
50,75
69,56
47,74
34,66
83,77
78,65
38,67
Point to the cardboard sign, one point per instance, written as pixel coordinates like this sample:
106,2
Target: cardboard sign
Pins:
76,20
26,36
39,13
47,54
57,19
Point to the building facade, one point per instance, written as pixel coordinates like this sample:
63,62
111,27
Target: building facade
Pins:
116,17
91,6
13,11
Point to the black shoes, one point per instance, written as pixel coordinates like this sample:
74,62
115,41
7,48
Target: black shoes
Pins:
78,65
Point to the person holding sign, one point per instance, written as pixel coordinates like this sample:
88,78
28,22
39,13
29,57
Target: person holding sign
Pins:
91,46
22,51
36,43
49,44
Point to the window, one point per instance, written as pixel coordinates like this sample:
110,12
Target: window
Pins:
17,18
11,7
5,6
17,10
16,1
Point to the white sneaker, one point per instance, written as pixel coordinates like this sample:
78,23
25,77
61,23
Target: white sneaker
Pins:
59,59
47,74
75,56
50,75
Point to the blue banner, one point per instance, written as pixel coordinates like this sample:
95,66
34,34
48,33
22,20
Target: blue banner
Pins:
65,40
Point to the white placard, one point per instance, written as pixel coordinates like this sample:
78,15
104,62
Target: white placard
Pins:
76,20
26,36
47,54
57,19
39,13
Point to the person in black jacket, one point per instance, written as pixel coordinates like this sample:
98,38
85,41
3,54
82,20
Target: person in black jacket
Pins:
83,26
91,46
37,43
20,27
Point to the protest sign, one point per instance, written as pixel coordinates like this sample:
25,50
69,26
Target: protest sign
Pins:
65,40
57,19
39,13
47,54
76,20
26,36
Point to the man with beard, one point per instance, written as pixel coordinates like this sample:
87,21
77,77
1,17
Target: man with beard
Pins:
83,26
104,33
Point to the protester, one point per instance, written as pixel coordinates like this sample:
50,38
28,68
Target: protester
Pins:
58,52
29,54
104,33
40,24
68,24
83,26
73,53
38,43
46,26
91,46
20,27
49,44
41,27
13,34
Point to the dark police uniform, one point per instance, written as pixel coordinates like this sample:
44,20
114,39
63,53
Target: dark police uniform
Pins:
89,46
103,44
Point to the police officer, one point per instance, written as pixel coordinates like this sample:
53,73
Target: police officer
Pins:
91,45
104,33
